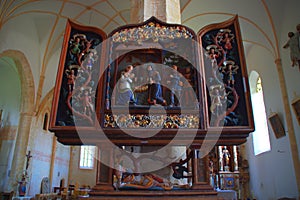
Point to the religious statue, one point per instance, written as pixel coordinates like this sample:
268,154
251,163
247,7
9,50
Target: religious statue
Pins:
154,87
188,92
226,158
175,86
125,179
125,91
212,53
23,179
230,70
292,44
22,185
218,98
90,59
70,79
225,38
87,103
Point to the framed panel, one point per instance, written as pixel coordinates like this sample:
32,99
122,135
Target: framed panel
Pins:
74,100
296,108
200,89
222,56
276,125
162,92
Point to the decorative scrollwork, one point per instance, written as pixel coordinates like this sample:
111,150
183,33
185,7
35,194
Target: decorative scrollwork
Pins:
150,31
151,121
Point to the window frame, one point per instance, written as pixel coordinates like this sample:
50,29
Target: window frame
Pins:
261,132
88,157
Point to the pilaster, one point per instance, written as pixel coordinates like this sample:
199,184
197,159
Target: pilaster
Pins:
164,10
20,147
289,122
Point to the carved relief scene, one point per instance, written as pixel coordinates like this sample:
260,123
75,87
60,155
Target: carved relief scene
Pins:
225,75
153,65
79,79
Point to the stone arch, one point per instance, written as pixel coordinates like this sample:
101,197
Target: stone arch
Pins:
26,113
26,79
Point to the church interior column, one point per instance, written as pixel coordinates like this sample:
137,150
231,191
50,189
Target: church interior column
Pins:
289,121
20,147
164,10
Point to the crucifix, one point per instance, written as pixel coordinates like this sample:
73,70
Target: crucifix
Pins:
28,156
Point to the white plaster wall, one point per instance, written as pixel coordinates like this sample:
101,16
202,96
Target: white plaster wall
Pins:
6,155
271,173
10,91
291,73
81,176
61,164
20,34
41,146
41,151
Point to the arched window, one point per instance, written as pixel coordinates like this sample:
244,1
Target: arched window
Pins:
45,124
87,154
261,140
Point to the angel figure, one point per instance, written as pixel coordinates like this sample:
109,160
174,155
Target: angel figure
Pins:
212,53
226,37
125,90
230,69
87,103
70,79
218,97
76,45
90,59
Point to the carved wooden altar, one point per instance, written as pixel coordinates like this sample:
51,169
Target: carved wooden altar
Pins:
209,106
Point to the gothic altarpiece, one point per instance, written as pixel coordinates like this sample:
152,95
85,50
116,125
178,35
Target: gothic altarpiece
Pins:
150,88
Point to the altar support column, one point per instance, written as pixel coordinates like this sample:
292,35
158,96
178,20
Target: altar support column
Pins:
104,177
201,172
235,159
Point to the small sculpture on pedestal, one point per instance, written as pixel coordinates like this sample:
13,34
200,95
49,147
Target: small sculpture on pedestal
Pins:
24,178
226,158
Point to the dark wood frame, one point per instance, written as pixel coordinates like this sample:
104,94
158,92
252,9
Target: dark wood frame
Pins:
230,134
296,107
240,132
276,124
165,135
68,134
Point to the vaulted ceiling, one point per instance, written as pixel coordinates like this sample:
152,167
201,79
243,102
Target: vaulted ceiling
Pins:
40,24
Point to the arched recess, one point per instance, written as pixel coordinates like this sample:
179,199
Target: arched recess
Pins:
45,106
26,111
